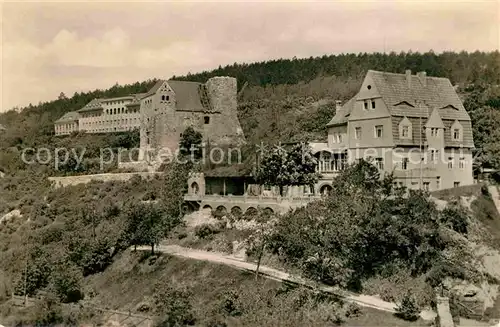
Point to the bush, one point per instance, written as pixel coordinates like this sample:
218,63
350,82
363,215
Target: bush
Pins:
456,218
206,230
66,281
408,309
173,305
352,310
229,304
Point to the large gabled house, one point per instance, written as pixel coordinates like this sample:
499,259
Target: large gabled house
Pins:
412,125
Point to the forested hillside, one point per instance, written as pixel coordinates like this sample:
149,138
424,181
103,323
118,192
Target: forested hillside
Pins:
292,99
462,67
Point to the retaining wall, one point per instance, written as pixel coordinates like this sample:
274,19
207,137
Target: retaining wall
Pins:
84,179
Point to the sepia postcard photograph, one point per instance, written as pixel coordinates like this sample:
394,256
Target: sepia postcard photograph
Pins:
299,163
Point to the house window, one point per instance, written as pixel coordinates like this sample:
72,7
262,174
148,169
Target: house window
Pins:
339,138
426,186
162,98
206,119
405,132
357,133
379,130
461,163
379,163
404,164
438,183
456,134
366,105
167,97
434,155
434,131
373,104
456,184
450,162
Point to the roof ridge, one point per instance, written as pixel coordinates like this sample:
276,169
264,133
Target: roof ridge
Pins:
403,74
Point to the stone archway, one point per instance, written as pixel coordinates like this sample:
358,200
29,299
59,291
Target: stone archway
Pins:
250,213
236,212
268,211
325,189
220,212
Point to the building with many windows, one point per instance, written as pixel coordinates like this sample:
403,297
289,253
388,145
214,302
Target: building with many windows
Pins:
414,126
67,124
102,116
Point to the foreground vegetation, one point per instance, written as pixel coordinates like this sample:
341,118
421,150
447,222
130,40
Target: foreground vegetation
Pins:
172,291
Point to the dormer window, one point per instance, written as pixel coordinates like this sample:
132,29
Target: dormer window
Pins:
456,131
405,129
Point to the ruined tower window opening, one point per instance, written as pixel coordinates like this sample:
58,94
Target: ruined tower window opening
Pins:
206,120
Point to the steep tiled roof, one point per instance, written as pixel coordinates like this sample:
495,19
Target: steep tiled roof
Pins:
187,95
154,88
92,105
433,99
342,114
68,117
435,92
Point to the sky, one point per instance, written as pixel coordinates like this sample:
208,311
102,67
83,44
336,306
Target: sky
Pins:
53,47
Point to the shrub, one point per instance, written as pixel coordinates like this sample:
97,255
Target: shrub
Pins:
229,304
408,309
206,230
352,310
66,281
456,218
173,305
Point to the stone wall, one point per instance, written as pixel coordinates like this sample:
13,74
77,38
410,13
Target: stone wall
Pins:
83,179
224,127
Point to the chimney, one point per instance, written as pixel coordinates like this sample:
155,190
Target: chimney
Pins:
408,78
422,76
337,105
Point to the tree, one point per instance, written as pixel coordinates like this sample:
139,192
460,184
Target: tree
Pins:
282,167
261,236
190,143
145,224
66,280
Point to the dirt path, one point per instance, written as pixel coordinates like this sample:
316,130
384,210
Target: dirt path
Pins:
268,272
